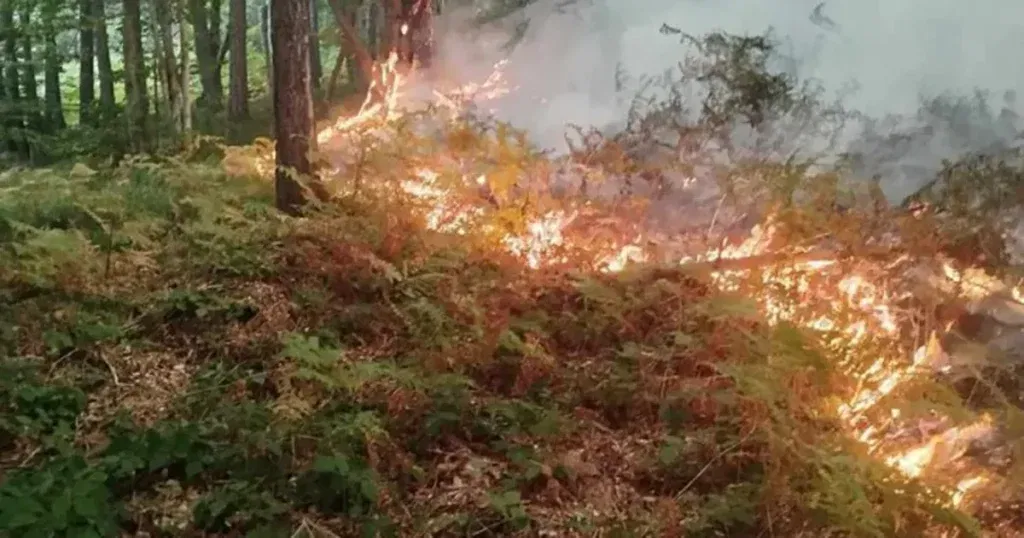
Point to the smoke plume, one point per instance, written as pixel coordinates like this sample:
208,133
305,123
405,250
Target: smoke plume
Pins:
579,62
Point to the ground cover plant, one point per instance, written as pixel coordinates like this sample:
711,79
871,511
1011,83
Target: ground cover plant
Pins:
180,359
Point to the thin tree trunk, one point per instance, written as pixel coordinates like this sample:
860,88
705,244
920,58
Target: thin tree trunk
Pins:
392,26
293,103
135,76
105,70
167,65
161,98
316,66
238,89
186,77
265,40
54,109
15,123
86,58
5,108
350,38
33,107
207,37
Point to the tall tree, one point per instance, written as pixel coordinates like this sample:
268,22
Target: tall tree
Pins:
15,120
135,75
206,25
238,88
293,103
86,59
166,63
344,17
105,70
33,118
185,74
316,66
53,111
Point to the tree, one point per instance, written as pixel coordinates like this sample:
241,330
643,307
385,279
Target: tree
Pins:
87,61
209,53
14,124
238,90
314,44
293,102
33,119
167,65
105,70
135,76
54,110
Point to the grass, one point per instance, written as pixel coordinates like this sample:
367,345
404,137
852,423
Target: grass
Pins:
181,360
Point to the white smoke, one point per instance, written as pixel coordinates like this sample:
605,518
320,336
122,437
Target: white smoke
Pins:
566,66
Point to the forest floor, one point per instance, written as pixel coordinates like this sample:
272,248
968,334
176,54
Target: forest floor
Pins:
181,360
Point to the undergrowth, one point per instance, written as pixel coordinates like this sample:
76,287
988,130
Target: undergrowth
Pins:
181,360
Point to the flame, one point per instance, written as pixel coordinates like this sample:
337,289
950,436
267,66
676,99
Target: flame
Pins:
545,237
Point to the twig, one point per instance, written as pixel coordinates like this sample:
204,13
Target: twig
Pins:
28,458
113,372
713,460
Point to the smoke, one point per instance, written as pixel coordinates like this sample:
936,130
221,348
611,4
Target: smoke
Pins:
568,67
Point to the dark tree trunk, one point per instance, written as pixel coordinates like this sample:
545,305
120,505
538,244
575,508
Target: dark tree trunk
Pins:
135,76
316,66
15,115
268,56
421,33
105,71
206,24
350,39
86,59
54,110
33,106
238,95
293,103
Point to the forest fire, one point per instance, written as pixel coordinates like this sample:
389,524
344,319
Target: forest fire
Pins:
813,289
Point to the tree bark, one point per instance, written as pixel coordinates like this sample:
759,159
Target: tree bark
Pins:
315,64
15,117
54,108
186,78
206,25
33,108
265,40
238,98
135,76
86,59
105,70
293,103
350,38
167,64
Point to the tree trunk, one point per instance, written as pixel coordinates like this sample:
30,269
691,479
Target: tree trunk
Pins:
350,38
86,59
316,66
54,109
207,40
5,108
166,64
135,76
186,78
33,108
420,35
161,96
108,107
15,115
392,26
265,40
293,103
238,98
